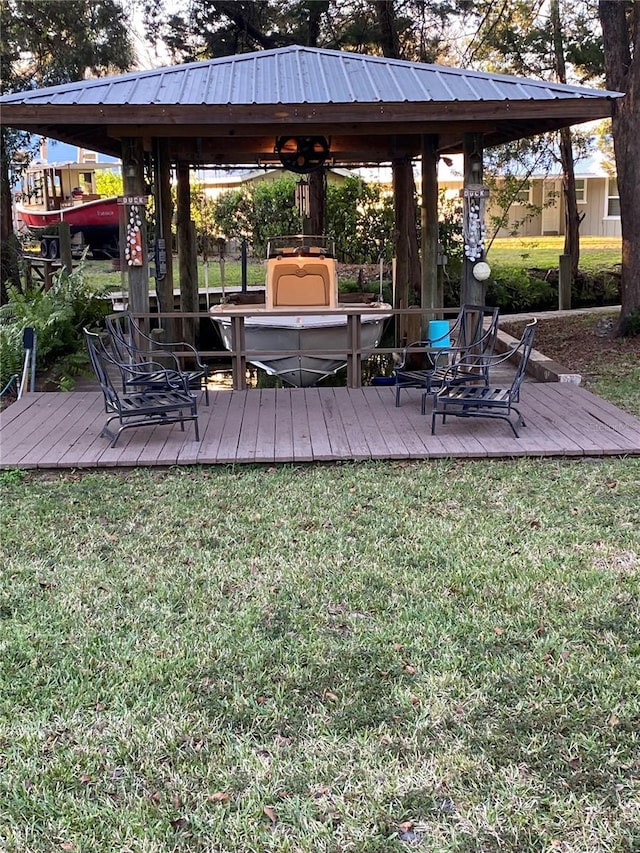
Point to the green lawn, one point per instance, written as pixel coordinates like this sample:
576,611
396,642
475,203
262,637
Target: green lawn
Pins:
596,253
322,658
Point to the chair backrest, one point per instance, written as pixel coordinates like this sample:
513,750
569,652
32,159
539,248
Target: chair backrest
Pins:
470,327
119,328
103,364
524,347
128,340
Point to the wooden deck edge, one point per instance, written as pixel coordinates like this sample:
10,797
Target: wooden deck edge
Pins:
540,367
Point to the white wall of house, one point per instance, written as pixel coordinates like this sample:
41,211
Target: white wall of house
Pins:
600,219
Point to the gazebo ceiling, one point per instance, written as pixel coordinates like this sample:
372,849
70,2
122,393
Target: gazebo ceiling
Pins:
229,111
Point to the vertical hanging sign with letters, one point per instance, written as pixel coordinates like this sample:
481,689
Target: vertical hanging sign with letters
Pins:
131,227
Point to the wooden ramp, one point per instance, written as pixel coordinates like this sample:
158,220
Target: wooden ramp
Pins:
62,430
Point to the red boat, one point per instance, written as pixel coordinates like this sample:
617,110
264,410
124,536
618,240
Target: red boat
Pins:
66,192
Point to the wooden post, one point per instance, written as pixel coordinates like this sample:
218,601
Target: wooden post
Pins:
187,259
564,283
431,297
317,201
408,274
164,286
134,185
472,291
64,233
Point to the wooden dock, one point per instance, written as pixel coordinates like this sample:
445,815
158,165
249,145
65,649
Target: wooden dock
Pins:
58,430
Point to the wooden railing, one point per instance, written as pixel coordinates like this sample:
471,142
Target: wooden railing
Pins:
408,321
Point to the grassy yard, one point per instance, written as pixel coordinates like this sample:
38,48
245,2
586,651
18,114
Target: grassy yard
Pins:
377,657
372,657
596,253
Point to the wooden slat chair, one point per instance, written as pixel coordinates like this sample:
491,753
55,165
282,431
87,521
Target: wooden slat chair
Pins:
485,401
131,344
174,403
471,338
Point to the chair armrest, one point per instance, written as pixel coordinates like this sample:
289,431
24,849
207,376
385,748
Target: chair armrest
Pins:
479,360
141,370
171,346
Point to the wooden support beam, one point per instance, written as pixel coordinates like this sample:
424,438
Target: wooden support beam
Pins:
187,258
472,291
134,186
164,212
429,221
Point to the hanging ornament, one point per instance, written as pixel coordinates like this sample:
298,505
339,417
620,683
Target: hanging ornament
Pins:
474,231
133,243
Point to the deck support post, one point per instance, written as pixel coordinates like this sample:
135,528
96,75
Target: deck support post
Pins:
164,285
354,356
134,185
472,291
187,257
239,354
431,295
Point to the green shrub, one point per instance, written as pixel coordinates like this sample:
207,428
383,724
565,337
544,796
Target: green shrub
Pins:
513,289
10,351
58,316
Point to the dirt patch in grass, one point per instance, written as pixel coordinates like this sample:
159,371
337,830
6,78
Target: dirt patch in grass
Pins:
583,343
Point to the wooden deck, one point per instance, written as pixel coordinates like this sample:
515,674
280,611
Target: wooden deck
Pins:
61,430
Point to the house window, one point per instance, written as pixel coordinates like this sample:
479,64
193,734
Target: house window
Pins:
522,196
581,190
613,198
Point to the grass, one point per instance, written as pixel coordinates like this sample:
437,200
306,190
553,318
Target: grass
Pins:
101,272
373,657
377,657
596,253
610,367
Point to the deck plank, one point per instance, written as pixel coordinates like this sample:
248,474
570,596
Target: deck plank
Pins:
318,428
62,430
336,431
230,432
581,428
266,434
211,421
248,436
302,448
61,435
283,446
359,447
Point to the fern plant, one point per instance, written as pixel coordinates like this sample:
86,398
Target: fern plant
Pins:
58,316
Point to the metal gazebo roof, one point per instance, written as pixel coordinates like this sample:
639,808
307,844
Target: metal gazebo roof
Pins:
229,110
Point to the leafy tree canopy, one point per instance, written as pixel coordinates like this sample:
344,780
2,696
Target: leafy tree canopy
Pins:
44,44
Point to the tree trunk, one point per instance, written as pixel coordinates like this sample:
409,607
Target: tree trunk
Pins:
621,38
571,218
406,233
406,249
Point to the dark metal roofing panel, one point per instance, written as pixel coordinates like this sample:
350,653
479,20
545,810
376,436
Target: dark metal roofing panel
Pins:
295,75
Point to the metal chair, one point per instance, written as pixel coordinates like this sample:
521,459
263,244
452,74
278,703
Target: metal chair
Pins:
485,401
131,344
424,363
173,404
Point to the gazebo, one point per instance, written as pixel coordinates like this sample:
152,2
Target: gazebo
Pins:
299,105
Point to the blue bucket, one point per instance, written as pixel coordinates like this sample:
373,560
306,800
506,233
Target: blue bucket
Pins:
439,333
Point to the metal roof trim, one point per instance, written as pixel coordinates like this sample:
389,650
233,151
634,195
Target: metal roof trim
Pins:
316,81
